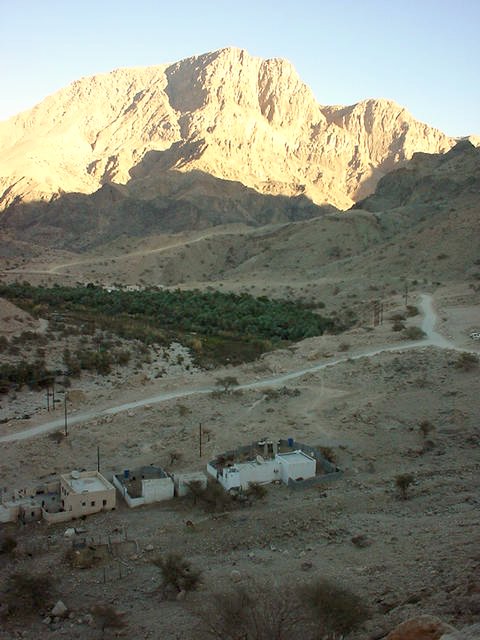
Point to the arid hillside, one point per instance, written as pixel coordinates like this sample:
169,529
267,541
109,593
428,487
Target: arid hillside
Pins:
226,114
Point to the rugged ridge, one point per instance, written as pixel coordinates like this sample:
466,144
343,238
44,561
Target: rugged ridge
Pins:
224,113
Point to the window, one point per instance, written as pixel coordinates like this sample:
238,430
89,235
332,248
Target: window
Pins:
84,504
92,503
104,503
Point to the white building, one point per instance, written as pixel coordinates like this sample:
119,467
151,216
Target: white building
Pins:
144,485
294,465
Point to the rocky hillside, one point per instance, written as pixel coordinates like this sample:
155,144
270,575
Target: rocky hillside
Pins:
226,114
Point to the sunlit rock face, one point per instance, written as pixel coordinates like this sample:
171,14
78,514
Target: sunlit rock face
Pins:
224,113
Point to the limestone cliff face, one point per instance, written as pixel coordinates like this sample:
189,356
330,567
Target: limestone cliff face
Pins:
225,113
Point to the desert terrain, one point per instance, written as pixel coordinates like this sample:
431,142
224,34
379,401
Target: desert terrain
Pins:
420,554
165,192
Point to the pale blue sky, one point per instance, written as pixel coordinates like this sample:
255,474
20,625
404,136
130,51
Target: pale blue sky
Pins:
424,54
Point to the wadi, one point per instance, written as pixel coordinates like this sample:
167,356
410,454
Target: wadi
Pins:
202,263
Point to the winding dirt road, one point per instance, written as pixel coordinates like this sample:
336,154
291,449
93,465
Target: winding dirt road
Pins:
428,326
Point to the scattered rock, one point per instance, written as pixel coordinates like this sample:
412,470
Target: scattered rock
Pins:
149,547
235,575
59,610
69,533
181,595
361,541
306,566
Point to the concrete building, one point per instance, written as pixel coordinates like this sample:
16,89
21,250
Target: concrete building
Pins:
144,485
238,471
76,494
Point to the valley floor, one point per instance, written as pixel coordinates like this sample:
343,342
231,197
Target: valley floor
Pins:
420,554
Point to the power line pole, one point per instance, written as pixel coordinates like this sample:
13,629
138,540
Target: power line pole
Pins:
200,439
65,408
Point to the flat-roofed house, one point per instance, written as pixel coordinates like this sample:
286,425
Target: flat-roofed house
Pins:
83,493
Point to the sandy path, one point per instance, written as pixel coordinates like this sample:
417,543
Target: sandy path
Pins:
125,256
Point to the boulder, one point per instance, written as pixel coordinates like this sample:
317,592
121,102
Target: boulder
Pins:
420,628
59,610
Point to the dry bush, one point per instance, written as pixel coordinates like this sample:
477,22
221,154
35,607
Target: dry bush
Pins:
403,482
83,558
252,612
413,333
256,490
8,544
467,361
26,592
335,609
214,497
106,617
426,427
177,573
268,611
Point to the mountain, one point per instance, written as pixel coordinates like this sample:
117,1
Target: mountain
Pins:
225,114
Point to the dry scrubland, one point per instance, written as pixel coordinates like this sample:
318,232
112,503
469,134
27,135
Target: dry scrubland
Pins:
402,556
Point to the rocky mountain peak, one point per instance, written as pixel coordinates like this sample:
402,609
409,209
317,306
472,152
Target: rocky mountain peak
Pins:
225,113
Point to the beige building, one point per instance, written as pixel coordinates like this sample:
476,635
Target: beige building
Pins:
86,492
75,494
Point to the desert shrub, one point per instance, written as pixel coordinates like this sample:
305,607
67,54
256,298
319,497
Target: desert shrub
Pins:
343,346
397,317
214,497
265,611
256,490
329,454
336,609
403,482
106,617
226,383
426,427
57,436
413,333
256,611
83,558
174,456
411,311
398,326
467,361
26,592
177,573
7,544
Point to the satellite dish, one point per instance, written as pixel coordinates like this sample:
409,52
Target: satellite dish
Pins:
75,474
260,460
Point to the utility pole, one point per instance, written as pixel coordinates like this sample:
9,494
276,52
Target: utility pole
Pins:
65,412
406,293
98,459
200,439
